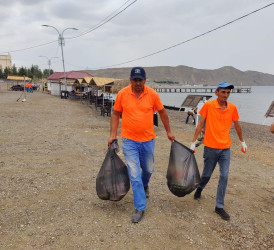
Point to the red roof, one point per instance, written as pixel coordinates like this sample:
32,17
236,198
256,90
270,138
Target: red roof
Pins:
69,75
77,74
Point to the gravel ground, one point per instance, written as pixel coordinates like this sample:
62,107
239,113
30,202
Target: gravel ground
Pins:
51,150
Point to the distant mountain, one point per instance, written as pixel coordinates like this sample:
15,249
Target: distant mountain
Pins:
189,75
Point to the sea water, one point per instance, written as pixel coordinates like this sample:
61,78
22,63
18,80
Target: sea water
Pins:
251,106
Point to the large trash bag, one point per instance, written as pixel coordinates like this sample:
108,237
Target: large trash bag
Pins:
182,174
112,182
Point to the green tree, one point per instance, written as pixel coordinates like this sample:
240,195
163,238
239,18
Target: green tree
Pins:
14,70
22,71
29,73
45,73
7,71
1,72
35,72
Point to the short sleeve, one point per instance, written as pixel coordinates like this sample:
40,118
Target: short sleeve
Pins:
204,110
235,115
118,104
158,104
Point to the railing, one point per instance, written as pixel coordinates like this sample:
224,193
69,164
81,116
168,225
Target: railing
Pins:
199,90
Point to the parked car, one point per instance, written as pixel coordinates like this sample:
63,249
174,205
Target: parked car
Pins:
17,88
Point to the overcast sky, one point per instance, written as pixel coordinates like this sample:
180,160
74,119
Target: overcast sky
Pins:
147,26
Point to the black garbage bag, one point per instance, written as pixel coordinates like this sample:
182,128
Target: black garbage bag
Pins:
182,174
112,182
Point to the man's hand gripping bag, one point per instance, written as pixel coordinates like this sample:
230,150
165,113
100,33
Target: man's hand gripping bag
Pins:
182,174
112,182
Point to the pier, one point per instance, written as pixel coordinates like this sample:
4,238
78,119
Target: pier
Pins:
198,90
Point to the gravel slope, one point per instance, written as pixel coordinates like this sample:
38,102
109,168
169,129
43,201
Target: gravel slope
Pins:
51,150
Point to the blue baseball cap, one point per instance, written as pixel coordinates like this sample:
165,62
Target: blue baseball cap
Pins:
138,72
225,85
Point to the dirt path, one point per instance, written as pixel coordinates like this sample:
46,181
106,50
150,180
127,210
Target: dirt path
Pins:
51,150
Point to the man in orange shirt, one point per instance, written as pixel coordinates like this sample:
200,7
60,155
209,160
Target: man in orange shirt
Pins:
219,115
138,103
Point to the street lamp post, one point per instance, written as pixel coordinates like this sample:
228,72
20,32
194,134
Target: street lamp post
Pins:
62,43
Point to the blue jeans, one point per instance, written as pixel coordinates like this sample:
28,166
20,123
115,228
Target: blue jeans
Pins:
212,156
140,163
188,119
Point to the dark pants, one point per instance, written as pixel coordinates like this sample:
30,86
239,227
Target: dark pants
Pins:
212,156
188,115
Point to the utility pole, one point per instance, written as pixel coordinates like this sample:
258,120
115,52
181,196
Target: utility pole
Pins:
49,63
61,41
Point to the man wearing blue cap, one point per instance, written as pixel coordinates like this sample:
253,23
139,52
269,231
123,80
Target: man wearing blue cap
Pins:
138,104
218,115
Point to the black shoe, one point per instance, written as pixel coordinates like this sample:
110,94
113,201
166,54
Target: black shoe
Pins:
146,191
137,216
224,215
197,194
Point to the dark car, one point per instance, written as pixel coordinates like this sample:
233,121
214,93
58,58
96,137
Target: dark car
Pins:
17,88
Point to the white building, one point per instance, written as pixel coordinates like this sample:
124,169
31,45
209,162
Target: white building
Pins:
5,61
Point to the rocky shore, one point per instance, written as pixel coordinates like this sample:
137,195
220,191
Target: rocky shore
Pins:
51,150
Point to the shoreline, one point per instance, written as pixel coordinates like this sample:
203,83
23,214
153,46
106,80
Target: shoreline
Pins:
52,150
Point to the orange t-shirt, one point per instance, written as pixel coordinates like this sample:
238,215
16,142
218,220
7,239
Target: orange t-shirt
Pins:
218,123
137,117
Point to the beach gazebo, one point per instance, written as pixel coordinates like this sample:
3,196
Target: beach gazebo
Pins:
57,81
17,80
102,83
270,112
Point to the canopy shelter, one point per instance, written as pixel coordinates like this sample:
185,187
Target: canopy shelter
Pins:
18,78
270,111
192,101
119,84
79,80
70,82
101,82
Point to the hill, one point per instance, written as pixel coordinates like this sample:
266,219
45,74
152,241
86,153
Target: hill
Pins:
189,75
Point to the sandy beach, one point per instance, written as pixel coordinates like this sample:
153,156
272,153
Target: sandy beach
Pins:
51,150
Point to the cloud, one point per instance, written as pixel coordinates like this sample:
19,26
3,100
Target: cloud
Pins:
144,28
